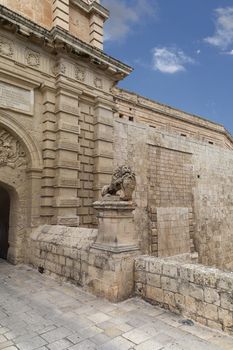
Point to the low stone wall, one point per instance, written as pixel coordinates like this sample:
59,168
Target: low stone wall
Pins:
62,251
66,253
195,291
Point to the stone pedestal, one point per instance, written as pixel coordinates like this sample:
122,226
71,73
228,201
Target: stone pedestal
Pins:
111,260
116,225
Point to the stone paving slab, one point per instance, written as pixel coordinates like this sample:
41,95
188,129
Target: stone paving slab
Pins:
38,313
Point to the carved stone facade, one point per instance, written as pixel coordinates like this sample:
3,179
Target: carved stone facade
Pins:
123,183
65,127
12,153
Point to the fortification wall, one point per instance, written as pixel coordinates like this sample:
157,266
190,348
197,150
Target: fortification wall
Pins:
183,193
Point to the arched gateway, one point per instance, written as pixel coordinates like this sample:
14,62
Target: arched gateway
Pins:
20,172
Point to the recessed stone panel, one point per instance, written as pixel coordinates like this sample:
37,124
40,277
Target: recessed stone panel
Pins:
15,97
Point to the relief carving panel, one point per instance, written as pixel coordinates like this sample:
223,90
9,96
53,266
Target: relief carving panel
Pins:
32,58
12,153
79,73
6,47
98,83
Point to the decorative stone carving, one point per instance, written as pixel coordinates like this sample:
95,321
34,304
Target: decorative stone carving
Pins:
79,73
32,58
123,183
11,151
98,83
59,68
6,47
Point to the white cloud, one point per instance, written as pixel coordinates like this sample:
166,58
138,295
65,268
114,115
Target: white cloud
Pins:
223,35
230,52
170,60
123,16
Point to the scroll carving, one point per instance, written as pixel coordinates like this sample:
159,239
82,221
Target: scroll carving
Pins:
123,183
12,153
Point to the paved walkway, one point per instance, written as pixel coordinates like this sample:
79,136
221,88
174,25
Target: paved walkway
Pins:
36,312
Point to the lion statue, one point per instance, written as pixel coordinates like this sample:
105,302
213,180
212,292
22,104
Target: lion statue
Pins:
123,184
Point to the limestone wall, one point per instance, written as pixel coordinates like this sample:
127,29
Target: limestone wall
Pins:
66,254
177,175
39,12
197,292
62,251
83,20
131,106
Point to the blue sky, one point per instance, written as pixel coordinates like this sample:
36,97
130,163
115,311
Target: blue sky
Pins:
181,52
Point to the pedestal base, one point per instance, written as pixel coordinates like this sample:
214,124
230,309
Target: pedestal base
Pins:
111,273
111,259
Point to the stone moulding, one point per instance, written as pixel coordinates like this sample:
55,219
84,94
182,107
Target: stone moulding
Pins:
59,39
90,5
118,249
113,202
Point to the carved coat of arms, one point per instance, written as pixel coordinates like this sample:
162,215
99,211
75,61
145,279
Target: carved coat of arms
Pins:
11,152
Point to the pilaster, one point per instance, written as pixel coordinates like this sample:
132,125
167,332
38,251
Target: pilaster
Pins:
96,30
103,140
61,14
67,164
48,148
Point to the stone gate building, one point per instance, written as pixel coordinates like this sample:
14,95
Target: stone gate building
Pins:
64,128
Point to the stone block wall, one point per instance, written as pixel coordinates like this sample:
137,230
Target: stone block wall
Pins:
66,254
173,231
83,20
62,251
39,12
195,291
179,172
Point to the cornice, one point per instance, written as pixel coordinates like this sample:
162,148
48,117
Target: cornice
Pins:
59,40
154,106
97,56
92,7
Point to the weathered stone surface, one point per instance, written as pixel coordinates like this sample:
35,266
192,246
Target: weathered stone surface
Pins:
201,293
64,128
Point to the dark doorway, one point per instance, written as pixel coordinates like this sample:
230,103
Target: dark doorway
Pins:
4,222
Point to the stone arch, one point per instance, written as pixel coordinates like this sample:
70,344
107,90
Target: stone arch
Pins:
15,128
20,174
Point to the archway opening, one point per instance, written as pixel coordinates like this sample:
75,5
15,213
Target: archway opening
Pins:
4,222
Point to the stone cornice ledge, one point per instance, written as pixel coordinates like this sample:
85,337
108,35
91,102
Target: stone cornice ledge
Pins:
143,102
57,38
94,6
98,56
